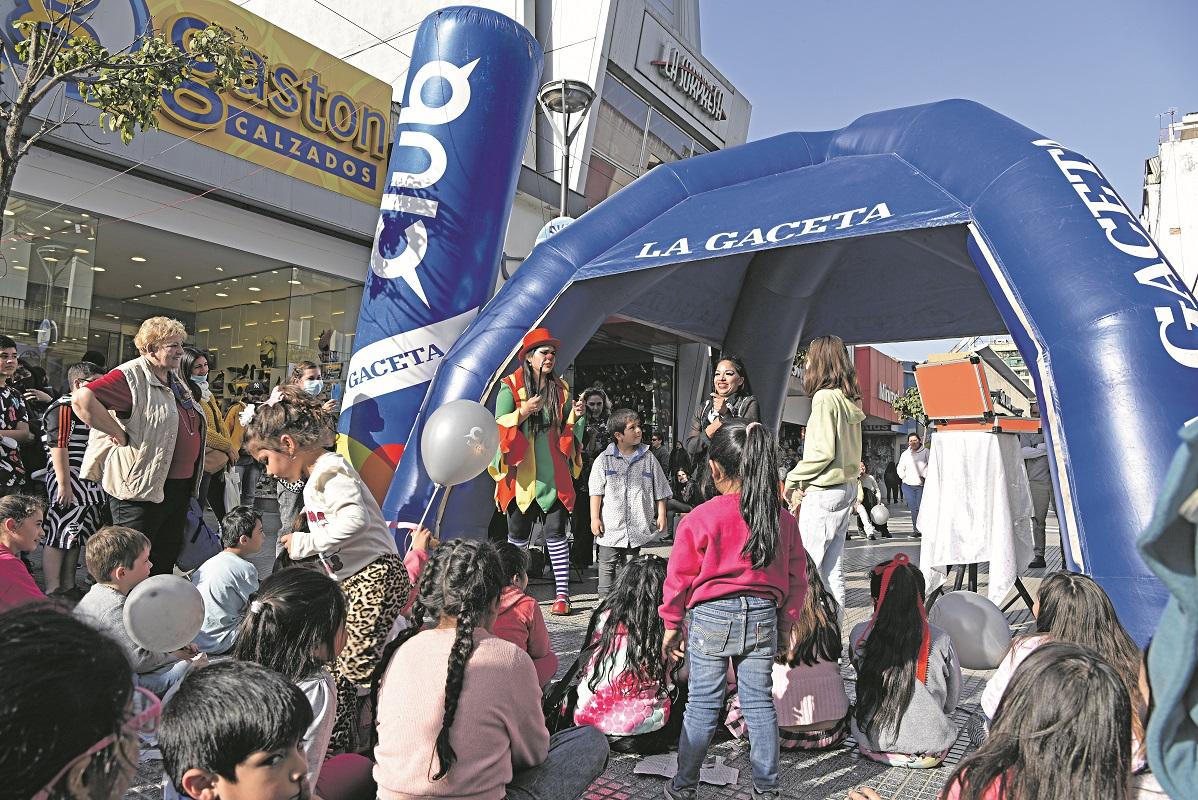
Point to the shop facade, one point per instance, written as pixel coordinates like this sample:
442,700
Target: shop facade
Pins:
248,216
881,380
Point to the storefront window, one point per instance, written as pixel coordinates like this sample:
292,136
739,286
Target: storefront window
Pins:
72,282
647,388
620,129
631,138
666,142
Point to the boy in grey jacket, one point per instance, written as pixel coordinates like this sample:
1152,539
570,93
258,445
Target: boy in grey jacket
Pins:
628,491
119,559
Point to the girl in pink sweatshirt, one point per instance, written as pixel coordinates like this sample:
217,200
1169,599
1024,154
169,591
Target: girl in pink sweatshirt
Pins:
519,619
458,709
738,565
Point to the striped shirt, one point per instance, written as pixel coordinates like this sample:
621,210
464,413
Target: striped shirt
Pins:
65,430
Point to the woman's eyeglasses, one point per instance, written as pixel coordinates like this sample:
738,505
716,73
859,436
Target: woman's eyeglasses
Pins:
146,708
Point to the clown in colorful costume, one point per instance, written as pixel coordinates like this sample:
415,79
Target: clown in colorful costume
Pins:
539,455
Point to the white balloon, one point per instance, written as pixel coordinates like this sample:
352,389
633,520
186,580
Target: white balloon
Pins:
880,514
977,627
164,613
458,442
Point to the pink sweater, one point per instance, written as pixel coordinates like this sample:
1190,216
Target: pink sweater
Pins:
16,584
706,562
520,622
498,729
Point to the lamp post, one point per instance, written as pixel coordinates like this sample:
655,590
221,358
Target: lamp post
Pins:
566,97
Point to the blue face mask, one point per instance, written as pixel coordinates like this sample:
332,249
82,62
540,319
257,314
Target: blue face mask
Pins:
314,387
200,379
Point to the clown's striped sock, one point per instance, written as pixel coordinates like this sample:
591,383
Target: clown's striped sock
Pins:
559,557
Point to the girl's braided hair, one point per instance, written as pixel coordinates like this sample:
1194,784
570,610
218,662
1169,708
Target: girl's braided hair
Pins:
291,411
462,579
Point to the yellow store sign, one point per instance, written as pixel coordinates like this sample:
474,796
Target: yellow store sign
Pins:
298,110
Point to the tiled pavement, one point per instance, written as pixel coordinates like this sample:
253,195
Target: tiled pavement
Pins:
811,776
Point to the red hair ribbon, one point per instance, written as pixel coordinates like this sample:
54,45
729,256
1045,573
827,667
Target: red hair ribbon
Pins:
886,571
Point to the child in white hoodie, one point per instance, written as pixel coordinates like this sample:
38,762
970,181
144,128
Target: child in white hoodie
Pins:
346,534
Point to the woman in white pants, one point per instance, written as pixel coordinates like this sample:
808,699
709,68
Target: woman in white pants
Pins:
825,481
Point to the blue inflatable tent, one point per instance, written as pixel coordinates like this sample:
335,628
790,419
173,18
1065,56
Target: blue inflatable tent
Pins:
917,223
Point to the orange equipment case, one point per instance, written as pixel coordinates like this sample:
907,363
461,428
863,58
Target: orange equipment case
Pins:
956,396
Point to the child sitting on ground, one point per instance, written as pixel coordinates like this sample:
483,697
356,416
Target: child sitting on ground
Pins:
69,715
1073,608
626,690
20,531
234,730
227,580
519,619
119,559
628,473
346,531
76,504
459,709
295,625
1062,729
809,695
908,676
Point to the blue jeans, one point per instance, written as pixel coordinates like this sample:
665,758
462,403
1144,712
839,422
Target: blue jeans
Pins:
577,756
913,495
745,631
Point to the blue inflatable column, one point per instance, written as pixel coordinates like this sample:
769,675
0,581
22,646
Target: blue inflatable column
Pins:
468,106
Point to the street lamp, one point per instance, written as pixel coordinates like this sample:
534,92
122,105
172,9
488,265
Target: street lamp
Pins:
566,97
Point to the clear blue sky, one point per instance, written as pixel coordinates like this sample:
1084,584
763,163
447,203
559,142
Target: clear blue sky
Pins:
1092,74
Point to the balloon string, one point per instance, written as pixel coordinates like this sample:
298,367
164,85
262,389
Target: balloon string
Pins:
436,488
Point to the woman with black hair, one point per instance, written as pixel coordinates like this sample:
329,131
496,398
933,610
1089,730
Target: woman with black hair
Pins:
219,453
595,439
459,709
731,398
908,676
540,455
737,568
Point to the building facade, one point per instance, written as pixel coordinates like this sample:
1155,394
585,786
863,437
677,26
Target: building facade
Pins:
250,216
247,216
1170,202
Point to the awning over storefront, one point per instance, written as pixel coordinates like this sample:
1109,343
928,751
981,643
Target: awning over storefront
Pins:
923,222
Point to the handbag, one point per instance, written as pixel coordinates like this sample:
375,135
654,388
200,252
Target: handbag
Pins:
200,542
561,697
232,488
215,460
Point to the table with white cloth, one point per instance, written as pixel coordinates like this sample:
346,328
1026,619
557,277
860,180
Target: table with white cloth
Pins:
977,506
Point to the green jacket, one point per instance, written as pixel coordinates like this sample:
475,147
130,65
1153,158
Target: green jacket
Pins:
832,446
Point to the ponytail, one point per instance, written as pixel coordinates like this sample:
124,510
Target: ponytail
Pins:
746,452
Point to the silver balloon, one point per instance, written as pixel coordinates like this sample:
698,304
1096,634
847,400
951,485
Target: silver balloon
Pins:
880,514
977,627
164,613
458,442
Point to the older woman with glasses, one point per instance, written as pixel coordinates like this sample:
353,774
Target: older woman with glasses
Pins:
540,454
69,714
147,440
